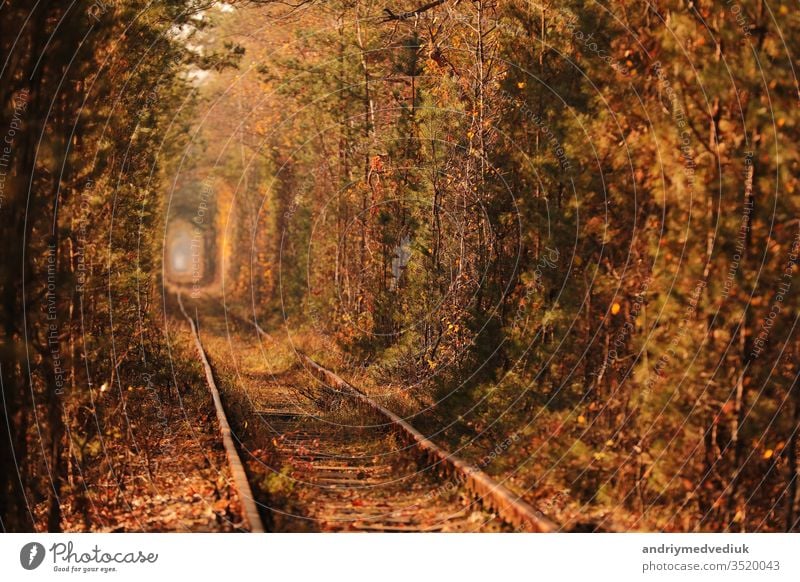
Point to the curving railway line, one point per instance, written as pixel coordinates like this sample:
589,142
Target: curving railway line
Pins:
353,465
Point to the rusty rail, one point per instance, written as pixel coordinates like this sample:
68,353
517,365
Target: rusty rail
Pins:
489,493
250,513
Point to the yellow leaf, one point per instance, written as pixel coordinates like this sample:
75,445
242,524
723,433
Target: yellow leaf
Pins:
615,309
521,85
767,454
581,419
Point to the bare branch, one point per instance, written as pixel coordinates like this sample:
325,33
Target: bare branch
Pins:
391,16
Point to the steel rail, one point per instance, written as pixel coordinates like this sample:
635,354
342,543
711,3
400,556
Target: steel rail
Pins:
489,493
250,513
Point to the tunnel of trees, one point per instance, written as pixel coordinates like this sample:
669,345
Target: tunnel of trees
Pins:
571,222
190,252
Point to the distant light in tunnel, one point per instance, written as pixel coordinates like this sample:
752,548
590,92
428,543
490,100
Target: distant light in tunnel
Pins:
180,262
180,253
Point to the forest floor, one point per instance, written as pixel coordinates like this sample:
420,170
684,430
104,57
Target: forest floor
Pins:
160,465
315,463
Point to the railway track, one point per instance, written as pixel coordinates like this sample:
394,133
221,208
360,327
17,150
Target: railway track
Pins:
352,465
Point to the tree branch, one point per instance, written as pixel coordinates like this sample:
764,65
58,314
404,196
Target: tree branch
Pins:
391,16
